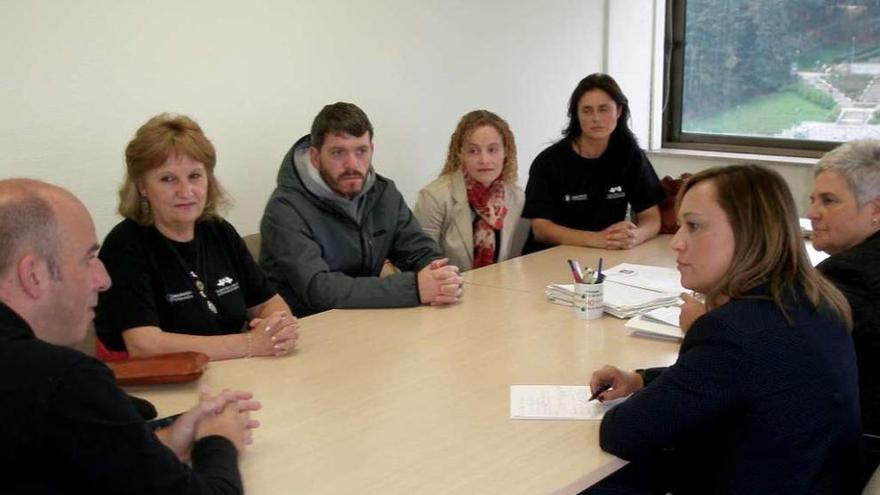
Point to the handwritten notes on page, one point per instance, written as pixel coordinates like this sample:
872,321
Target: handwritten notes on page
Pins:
556,402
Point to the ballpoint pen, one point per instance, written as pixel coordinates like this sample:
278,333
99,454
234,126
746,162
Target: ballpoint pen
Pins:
599,391
599,276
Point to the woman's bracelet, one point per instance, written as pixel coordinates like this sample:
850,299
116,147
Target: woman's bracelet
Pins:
250,345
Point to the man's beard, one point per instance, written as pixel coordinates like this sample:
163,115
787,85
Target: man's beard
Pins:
333,182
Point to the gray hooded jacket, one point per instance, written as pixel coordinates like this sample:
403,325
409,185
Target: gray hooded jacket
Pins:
322,251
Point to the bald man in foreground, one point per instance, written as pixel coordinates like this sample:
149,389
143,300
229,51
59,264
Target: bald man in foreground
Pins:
65,426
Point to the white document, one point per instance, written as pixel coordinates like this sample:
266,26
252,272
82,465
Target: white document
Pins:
644,327
806,227
656,278
815,255
622,296
669,315
556,402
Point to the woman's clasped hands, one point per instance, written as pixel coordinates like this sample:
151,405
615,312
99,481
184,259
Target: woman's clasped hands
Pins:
275,335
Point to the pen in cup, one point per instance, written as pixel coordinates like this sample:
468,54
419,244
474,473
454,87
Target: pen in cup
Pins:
588,276
575,271
577,266
599,276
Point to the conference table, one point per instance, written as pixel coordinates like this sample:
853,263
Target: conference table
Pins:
416,400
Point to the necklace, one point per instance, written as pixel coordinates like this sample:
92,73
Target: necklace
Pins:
200,287
193,276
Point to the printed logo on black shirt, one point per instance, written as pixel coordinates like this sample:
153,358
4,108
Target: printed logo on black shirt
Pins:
226,285
577,197
615,192
180,296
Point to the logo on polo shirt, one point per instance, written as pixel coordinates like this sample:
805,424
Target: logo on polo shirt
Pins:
615,192
569,198
225,285
180,296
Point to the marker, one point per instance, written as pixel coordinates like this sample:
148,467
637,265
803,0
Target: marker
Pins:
575,271
577,266
599,391
599,276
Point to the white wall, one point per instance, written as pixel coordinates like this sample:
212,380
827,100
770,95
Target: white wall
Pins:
80,77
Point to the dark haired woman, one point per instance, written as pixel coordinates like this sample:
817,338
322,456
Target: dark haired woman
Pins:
582,188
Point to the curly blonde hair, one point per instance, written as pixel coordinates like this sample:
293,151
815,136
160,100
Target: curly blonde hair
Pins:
162,136
470,122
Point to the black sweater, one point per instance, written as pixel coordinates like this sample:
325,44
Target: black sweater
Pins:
856,272
752,405
66,427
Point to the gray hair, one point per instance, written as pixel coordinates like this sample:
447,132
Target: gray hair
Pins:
27,223
859,163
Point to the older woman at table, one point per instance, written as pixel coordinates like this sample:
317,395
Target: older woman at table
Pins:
473,209
183,279
845,213
763,397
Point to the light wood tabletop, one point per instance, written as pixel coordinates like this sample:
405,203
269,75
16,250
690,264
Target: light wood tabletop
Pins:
531,273
416,400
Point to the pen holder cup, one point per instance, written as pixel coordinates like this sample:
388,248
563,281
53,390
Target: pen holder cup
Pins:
588,301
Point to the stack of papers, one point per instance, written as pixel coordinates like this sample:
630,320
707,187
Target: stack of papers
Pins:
656,278
660,323
556,402
629,289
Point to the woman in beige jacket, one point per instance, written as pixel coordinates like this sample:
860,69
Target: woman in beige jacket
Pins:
473,209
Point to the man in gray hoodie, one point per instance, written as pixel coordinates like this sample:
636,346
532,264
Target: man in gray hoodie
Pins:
332,222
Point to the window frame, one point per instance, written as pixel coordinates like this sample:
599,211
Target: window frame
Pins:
672,135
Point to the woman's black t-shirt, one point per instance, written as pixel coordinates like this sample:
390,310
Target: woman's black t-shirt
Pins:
589,194
152,286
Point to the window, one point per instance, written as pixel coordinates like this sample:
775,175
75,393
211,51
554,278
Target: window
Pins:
793,77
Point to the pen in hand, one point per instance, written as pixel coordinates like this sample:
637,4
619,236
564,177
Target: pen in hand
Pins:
599,391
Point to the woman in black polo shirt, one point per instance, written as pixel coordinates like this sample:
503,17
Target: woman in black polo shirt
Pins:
581,188
183,279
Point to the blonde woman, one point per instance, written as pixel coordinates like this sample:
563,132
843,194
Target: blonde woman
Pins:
473,209
183,279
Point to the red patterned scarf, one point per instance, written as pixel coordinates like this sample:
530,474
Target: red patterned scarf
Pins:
488,202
